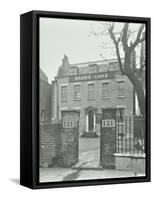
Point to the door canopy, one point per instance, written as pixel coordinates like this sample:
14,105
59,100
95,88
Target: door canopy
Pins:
90,108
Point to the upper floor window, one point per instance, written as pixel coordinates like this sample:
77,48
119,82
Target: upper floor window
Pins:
121,88
105,90
103,67
91,91
64,93
93,68
73,70
114,66
76,91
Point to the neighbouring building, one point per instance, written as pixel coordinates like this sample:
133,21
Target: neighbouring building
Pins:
84,91
45,98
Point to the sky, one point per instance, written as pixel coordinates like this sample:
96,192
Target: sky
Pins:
73,38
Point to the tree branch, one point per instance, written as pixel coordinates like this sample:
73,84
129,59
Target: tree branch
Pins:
124,37
138,38
116,43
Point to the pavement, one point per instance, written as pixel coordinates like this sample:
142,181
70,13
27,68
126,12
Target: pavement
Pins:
68,174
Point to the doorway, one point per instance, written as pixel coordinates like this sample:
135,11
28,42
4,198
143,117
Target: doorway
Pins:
89,142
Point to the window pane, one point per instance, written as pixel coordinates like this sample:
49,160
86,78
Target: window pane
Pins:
105,90
93,68
121,88
91,91
64,93
77,92
73,70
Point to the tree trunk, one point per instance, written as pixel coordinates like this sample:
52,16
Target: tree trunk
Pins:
139,91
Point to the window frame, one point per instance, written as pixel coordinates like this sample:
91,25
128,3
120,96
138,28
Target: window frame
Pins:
92,91
103,83
121,92
74,96
63,98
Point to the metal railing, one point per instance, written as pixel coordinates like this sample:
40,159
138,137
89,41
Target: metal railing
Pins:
130,135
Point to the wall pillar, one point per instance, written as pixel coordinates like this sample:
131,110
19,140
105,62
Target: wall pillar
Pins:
87,122
94,122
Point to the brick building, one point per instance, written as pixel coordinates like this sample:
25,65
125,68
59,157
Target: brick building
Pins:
45,98
84,91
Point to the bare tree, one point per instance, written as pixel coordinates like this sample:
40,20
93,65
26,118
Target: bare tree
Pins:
127,68
122,43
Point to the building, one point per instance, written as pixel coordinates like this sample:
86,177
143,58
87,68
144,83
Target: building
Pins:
85,91
45,98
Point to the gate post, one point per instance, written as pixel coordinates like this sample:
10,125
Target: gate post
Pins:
108,139
70,143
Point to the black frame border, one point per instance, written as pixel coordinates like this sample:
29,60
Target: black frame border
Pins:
30,176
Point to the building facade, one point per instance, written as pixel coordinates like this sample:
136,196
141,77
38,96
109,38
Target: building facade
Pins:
84,91
45,98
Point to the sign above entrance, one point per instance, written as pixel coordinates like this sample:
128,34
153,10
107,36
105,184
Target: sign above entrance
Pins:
68,124
95,76
108,123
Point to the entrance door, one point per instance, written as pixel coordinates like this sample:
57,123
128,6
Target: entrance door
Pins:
108,138
91,120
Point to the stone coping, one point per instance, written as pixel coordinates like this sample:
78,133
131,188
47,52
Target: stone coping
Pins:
130,155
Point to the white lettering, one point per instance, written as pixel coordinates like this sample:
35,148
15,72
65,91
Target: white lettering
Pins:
108,123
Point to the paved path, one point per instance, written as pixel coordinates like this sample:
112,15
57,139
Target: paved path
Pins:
89,153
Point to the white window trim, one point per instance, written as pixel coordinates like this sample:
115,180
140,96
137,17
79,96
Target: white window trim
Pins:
67,108
120,79
76,84
63,85
105,81
91,82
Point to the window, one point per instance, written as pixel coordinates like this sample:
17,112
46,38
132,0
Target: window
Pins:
91,91
73,70
76,92
121,88
64,93
93,68
105,90
103,67
91,120
114,66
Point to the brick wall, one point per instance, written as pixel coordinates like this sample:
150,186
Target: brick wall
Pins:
70,146
50,144
58,146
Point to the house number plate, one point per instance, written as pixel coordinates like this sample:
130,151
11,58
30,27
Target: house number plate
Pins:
108,123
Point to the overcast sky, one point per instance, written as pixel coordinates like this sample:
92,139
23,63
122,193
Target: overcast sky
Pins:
73,38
